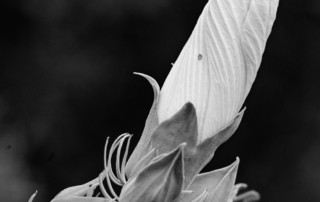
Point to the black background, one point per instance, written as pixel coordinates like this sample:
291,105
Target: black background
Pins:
66,83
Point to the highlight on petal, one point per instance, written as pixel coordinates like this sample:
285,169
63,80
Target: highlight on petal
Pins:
218,64
160,181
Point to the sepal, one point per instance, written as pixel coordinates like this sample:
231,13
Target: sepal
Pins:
160,181
218,183
152,122
182,127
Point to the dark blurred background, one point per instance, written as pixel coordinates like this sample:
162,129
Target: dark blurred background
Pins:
66,83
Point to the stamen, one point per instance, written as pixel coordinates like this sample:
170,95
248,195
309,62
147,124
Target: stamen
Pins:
113,147
108,173
124,160
105,158
102,189
111,188
119,174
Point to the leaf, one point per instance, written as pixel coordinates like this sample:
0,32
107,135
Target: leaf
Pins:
218,183
160,181
182,127
219,62
143,146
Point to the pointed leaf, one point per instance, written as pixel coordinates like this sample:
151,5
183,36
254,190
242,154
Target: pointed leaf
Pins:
214,182
161,181
223,191
181,128
218,64
143,146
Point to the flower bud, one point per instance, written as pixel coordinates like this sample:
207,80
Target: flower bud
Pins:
219,63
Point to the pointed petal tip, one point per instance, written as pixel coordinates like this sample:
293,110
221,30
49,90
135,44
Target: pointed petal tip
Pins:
237,162
237,159
151,80
33,196
189,109
240,115
234,166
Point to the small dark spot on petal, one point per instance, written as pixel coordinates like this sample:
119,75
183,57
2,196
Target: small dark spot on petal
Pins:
199,57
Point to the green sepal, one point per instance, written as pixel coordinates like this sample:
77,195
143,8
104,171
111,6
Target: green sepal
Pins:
160,181
182,127
151,124
219,184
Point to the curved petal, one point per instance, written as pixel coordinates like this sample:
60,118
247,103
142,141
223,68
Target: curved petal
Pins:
152,122
218,64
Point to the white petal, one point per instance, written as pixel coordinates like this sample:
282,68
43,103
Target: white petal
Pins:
218,64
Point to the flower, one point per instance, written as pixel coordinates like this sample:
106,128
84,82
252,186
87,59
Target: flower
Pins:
195,112
219,63
168,172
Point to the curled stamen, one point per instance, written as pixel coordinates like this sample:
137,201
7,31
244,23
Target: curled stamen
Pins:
105,158
118,160
120,173
112,149
124,160
108,173
110,187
